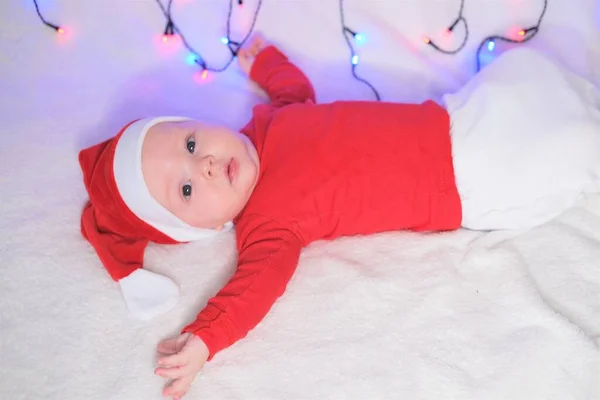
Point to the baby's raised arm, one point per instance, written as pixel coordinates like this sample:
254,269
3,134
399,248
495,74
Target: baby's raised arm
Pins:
275,74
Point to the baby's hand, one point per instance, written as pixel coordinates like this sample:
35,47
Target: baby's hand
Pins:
182,358
249,51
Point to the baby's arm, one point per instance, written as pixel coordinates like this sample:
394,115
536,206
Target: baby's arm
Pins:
275,74
267,260
266,263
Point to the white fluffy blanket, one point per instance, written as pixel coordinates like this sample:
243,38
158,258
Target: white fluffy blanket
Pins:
461,315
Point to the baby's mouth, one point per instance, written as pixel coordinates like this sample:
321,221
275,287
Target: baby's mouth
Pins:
232,169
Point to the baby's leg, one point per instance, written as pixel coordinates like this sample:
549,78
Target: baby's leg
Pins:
526,142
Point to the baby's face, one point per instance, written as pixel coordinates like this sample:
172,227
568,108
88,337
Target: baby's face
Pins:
203,174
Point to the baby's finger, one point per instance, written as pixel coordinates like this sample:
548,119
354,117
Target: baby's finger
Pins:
258,40
167,346
179,395
254,46
172,373
178,387
175,360
165,350
245,56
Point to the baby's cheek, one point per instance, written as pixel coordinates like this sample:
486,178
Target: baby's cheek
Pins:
205,211
227,206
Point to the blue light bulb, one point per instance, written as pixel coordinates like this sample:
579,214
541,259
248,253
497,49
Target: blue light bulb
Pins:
191,59
491,45
354,59
224,40
359,38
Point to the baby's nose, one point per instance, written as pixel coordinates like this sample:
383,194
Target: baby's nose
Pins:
210,167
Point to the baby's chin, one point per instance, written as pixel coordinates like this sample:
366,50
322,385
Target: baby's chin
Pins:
249,175
202,223
205,226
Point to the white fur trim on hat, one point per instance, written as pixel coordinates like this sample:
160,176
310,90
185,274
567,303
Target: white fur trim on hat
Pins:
132,187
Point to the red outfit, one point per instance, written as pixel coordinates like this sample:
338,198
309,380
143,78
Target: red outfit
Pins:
327,170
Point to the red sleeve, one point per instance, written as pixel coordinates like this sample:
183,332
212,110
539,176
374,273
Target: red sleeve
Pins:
282,80
267,260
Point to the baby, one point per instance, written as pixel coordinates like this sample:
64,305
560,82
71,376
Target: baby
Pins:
493,158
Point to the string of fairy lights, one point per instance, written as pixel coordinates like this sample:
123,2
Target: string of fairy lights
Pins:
357,38
450,30
525,35
351,37
194,56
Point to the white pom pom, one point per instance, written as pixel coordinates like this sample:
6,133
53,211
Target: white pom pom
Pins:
148,294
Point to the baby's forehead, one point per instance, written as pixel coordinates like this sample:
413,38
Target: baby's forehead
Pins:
176,126
168,126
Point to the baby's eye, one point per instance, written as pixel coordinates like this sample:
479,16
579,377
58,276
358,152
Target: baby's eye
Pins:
186,190
190,144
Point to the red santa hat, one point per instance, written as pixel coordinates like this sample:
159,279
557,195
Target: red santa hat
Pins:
121,217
